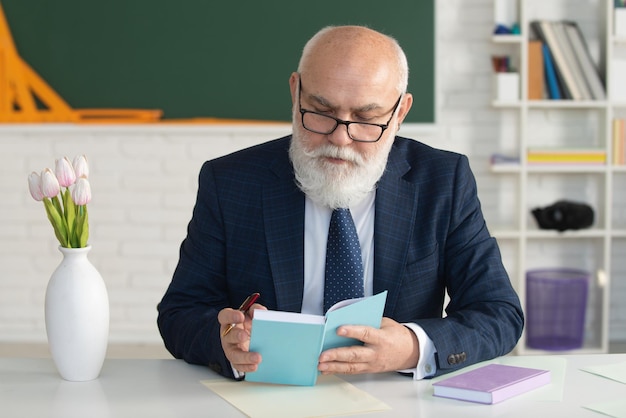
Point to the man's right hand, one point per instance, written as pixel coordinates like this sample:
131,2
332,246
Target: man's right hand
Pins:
236,343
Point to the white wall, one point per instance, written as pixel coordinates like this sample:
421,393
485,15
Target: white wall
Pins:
144,184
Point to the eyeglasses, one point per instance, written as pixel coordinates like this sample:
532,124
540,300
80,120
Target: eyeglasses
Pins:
320,123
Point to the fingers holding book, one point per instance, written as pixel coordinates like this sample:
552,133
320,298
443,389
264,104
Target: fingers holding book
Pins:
392,347
235,328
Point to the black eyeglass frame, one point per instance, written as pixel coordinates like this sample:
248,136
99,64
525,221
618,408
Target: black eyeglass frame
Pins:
338,121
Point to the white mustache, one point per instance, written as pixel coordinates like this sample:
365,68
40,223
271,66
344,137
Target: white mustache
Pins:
331,151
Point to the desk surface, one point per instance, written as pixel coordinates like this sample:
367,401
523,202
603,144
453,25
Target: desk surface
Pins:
172,388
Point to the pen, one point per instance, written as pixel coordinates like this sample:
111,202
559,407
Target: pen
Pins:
243,308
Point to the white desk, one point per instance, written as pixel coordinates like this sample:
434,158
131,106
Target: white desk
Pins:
172,388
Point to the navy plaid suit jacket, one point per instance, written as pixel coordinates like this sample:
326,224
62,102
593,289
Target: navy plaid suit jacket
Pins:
247,235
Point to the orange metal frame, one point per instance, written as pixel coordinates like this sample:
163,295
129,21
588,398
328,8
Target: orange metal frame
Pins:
20,85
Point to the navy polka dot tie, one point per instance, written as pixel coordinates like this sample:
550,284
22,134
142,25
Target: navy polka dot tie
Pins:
344,268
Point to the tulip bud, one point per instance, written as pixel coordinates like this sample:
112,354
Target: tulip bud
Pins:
81,193
49,183
34,185
81,168
64,172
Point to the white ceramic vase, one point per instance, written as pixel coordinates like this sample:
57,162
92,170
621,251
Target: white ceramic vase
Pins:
77,316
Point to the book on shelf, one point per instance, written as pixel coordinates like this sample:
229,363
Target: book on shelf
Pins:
554,90
290,343
535,70
492,383
502,159
566,155
619,142
571,59
544,31
590,71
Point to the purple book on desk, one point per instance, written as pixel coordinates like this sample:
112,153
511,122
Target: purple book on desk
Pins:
492,383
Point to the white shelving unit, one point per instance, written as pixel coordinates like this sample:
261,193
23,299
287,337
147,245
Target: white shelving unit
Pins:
563,123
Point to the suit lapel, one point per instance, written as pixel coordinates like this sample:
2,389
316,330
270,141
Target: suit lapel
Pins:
396,205
283,212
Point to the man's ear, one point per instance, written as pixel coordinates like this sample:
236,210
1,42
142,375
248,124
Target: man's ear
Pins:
405,106
293,86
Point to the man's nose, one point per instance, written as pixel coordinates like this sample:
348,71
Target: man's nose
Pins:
340,136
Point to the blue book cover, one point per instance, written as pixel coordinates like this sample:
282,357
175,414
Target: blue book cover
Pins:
551,80
291,343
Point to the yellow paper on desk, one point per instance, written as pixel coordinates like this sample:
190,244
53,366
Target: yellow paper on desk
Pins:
331,396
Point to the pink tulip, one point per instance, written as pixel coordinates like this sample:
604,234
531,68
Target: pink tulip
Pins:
81,168
49,183
65,172
65,193
34,185
81,193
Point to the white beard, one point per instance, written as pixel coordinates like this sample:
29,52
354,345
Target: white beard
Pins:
335,185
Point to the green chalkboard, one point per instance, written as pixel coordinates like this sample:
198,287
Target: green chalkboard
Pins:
203,58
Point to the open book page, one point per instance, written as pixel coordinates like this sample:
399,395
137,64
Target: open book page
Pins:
366,311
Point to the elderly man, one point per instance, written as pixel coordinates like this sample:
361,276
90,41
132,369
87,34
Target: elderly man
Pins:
262,216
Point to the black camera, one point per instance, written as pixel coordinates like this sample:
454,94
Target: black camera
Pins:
564,215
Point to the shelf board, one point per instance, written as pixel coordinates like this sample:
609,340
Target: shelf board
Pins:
618,233
554,168
567,104
507,39
554,104
505,233
566,168
505,168
539,234
569,234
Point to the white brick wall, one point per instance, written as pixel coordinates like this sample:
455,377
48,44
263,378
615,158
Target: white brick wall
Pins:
144,184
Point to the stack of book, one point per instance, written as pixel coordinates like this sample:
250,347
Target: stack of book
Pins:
619,142
564,58
566,156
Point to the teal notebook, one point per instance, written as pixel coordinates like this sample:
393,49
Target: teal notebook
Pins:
291,343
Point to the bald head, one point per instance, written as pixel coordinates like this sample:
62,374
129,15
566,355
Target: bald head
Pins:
355,52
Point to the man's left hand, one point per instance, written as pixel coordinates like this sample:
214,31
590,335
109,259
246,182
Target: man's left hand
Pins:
392,347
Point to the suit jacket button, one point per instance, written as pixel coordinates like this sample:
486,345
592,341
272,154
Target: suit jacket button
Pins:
463,356
452,359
